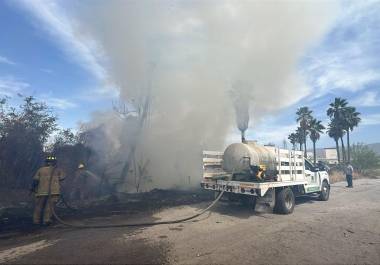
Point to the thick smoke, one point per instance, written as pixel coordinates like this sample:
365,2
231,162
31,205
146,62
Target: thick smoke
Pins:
179,62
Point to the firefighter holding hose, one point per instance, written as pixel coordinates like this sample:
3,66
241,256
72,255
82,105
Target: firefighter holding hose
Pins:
86,186
46,187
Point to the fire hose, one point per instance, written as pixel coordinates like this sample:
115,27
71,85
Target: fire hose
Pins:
137,224
83,226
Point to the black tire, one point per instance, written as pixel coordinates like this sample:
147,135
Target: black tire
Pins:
325,191
285,201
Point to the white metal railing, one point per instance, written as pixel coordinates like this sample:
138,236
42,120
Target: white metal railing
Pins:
290,164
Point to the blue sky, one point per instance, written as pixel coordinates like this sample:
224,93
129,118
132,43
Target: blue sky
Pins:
33,62
344,63
40,56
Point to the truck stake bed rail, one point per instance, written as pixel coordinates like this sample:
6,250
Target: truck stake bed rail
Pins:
247,188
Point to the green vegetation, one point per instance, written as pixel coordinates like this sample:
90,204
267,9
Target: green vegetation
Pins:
364,159
343,119
25,132
304,117
316,129
308,126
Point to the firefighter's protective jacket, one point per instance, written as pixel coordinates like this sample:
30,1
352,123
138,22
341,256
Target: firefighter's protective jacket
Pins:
43,176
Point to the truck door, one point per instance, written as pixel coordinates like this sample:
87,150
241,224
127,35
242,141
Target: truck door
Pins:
311,174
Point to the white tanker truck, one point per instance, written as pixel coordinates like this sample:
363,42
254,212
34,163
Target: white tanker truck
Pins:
250,172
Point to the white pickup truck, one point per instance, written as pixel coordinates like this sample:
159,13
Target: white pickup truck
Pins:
251,173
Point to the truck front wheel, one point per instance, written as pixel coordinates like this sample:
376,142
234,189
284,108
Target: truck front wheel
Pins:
285,201
325,191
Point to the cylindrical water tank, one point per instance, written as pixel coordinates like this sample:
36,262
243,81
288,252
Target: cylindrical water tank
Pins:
235,157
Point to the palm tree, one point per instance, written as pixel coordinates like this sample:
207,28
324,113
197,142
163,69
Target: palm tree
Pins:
337,108
304,117
300,137
293,140
337,111
335,132
351,120
315,128
344,158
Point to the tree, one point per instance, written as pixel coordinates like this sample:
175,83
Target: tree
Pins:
141,173
335,132
62,138
293,138
316,128
337,109
351,120
23,134
337,112
343,148
300,137
363,158
304,117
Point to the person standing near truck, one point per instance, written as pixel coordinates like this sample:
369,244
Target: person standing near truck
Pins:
349,170
46,186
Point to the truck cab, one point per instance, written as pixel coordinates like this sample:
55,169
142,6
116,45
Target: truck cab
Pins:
315,177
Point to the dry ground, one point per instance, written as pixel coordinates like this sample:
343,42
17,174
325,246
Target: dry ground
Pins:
344,230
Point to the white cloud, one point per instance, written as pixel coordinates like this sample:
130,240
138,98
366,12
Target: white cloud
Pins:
371,119
6,60
273,133
347,59
99,93
10,86
59,103
345,79
367,99
63,28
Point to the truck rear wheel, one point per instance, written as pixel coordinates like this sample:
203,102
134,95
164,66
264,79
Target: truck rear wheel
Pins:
325,191
285,201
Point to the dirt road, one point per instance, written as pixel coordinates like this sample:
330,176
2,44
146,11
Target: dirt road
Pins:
344,230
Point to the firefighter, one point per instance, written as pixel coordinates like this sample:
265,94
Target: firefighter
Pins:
79,183
46,186
85,184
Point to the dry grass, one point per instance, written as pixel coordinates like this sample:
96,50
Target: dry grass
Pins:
337,175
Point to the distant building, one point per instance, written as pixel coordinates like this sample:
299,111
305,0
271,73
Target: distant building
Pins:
327,155
331,154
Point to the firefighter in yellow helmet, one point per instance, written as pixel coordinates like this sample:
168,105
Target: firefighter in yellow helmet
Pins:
46,186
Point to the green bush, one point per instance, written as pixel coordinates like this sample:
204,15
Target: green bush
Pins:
364,159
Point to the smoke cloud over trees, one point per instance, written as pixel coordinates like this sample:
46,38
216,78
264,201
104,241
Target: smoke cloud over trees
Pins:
186,74
175,64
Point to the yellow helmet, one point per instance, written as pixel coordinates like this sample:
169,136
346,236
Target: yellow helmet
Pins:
50,159
80,166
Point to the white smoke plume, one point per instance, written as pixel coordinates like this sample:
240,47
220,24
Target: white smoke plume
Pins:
242,98
183,58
